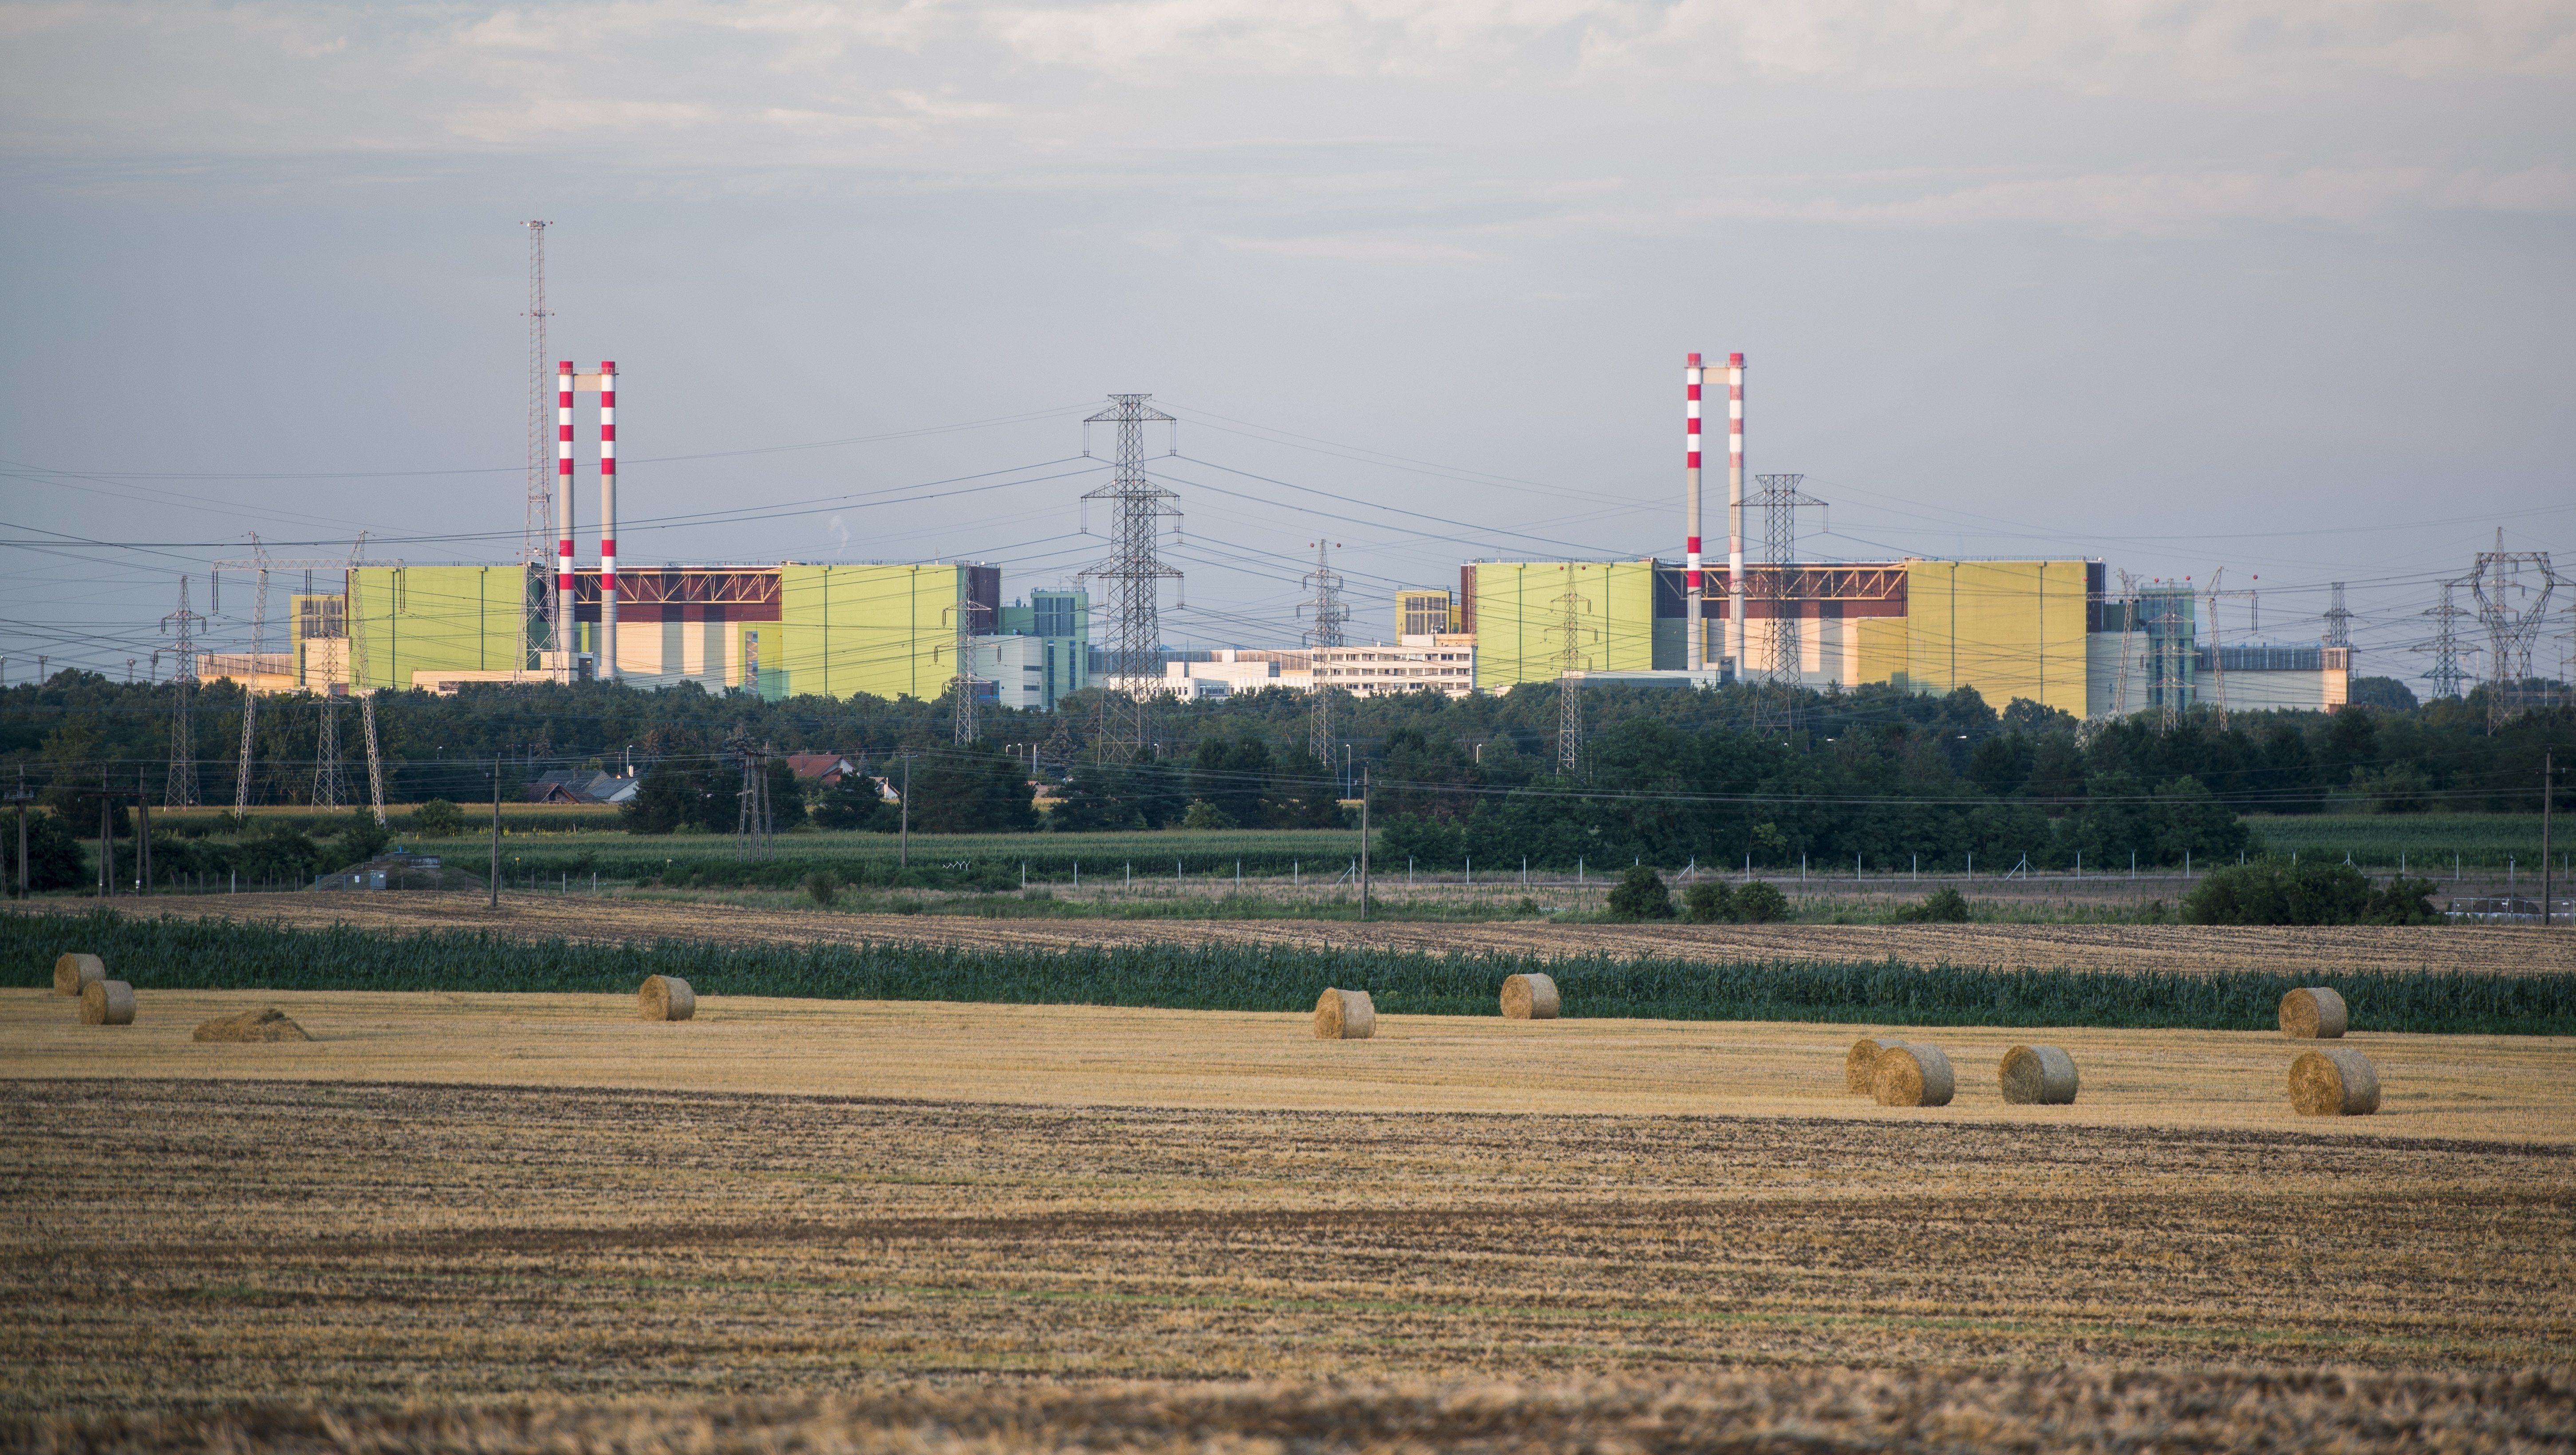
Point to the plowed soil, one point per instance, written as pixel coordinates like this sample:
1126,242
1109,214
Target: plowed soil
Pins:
2478,949
173,1242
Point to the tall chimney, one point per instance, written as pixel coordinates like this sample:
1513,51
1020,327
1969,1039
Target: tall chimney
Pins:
564,627
1735,510
1695,650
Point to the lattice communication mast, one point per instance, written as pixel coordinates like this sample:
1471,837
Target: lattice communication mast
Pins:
1133,574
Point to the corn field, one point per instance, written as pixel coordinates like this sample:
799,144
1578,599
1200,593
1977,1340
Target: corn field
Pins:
224,955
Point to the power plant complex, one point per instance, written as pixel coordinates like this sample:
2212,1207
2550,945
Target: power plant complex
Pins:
2052,631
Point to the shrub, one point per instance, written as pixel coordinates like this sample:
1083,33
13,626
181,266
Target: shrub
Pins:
438,819
1941,906
1205,815
1709,902
2274,892
1640,894
822,887
1758,903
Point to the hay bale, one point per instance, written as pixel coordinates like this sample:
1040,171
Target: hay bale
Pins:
2313,1013
74,973
667,998
1912,1076
1529,998
2038,1076
107,1003
269,1024
1345,1015
1862,1059
2334,1081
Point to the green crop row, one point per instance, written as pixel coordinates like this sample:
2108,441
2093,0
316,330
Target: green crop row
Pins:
220,954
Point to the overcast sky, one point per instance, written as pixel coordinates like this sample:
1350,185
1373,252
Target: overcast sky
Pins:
2278,286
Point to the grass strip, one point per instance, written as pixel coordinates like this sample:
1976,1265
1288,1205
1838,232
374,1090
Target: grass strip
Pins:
216,954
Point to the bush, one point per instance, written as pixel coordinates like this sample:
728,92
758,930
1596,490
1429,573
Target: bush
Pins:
2275,892
437,819
822,887
1710,902
53,853
1758,903
1640,894
1940,907
360,837
1205,815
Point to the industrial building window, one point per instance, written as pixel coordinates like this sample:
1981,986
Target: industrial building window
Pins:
319,617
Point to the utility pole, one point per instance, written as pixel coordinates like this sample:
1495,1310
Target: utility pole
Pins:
2548,787
22,795
541,616
1134,573
1364,843
751,813
903,844
495,884
355,631
1571,661
1328,615
182,789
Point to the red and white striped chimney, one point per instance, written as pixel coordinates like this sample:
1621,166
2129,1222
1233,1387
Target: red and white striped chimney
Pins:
1735,510
1695,650
564,627
607,670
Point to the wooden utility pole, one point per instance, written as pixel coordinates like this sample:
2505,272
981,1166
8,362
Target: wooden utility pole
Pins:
903,843
2548,781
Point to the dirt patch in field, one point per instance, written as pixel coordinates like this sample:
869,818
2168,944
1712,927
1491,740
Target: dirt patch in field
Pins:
2475,949
177,1243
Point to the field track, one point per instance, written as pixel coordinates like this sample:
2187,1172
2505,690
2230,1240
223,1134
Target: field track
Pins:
2502,950
2496,1088
174,1242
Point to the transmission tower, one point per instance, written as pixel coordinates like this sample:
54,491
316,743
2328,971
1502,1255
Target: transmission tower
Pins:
969,611
751,816
2128,625
1780,498
2217,648
326,751
2338,619
2445,648
182,789
258,566
1133,573
2169,661
2512,590
542,617
1571,659
1327,614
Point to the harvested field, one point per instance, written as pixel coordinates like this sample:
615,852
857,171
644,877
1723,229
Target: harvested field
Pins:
169,1243
2080,1410
2498,1088
2475,949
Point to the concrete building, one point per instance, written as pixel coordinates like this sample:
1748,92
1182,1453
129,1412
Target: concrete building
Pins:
887,630
1438,662
1062,621
1425,613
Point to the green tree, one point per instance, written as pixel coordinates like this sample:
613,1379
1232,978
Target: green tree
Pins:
856,802
674,792
53,852
1640,894
971,788
360,837
1709,902
437,819
1759,903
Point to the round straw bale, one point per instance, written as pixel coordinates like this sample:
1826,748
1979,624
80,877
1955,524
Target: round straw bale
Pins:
1529,998
667,998
1345,1015
107,1003
2038,1076
2334,1081
72,972
2313,1013
1912,1076
1862,1060
270,1024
